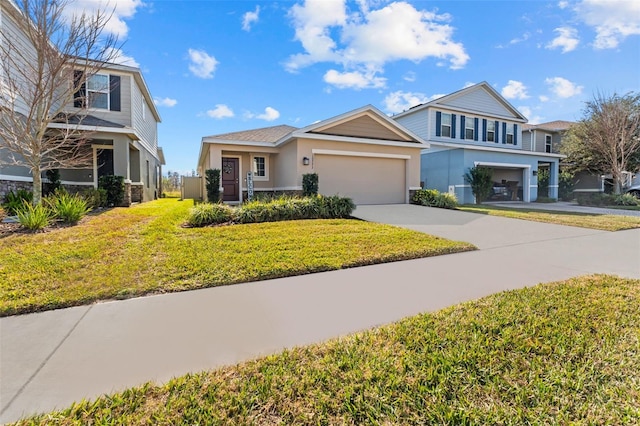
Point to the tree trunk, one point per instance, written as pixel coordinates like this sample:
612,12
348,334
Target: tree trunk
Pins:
37,186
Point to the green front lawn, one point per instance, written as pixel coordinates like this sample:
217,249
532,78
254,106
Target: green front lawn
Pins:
583,220
144,249
560,353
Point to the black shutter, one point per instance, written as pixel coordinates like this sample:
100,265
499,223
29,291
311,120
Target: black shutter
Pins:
475,129
114,92
438,122
484,130
463,130
453,126
80,95
515,134
504,132
495,131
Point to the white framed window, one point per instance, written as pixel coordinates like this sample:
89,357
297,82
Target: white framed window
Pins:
547,143
469,128
260,166
509,137
98,91
144,110
445,125
491,131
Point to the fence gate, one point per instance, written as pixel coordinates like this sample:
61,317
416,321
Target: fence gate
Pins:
191,187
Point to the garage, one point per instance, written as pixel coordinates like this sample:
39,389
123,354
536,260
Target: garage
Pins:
365,178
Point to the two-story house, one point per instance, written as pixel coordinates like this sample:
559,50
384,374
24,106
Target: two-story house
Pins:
117,111
476,126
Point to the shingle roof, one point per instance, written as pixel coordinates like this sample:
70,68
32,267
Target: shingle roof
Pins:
265,134
87,120
555,126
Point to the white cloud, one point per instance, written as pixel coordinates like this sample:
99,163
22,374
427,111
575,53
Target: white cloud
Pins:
613,20
567,39
468,84
514,90
354,80
528,112
543,98
122,9
250,18
563,4
563,88
399,101
410,77
202,64
117,57
165,102
220,111
368,38
270,114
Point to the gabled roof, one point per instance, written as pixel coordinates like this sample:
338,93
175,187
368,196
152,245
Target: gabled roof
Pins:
442,101
553,126
265,134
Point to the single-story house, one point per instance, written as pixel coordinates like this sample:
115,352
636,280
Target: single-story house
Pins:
361,154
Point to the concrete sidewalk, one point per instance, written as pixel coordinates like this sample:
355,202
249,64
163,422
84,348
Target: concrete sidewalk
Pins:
51,359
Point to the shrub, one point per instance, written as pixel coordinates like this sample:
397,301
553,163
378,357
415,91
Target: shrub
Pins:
565,186
95,198
68,208
544,177
601,199
114,187
205,214
212,177
33,217
625,200
435,198
309,184
54,182
480,179
334,206
14,201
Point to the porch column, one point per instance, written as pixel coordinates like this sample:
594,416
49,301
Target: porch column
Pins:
121,159
554,172
215,162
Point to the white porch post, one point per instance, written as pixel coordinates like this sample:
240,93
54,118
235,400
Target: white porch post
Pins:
554,172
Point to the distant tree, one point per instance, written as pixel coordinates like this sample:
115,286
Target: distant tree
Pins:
40,80
607,139
481,181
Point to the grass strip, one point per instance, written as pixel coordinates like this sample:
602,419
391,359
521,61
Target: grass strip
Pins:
144,249
582,220
560,353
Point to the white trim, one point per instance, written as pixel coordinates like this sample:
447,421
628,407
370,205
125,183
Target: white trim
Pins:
69,182
359,154
503,165
240,143
351,139
526,173
266,157
554,186
533,186
95,129
462,186
240,177
415,188
16,178
491,149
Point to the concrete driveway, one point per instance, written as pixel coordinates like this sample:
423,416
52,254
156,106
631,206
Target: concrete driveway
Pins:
48,360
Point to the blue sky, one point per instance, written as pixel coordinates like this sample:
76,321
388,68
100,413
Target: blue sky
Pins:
221,66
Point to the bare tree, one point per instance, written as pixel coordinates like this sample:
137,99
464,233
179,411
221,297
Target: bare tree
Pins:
607,139
47,57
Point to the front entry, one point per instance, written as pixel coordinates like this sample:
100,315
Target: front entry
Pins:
230,179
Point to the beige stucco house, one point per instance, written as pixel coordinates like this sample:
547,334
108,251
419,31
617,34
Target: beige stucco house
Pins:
361,154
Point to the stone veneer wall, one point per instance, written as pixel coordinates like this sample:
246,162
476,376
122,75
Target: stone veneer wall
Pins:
7,186
137,193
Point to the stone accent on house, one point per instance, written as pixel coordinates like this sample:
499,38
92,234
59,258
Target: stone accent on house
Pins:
7,186
137,192
126,201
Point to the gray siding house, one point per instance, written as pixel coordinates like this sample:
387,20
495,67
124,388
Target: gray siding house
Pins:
120,119
476,126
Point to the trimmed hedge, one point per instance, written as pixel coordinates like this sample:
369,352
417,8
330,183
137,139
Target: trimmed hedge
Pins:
434,198
600,199
278,209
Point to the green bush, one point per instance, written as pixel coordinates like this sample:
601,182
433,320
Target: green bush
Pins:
54,182
14,201
481,181
212,177
625,200
205,214
68,208
33,217
435,198
277,209
114,187
309,184
565,186
601,199
95,198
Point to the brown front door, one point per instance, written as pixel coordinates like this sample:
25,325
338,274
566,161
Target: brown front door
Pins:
230,179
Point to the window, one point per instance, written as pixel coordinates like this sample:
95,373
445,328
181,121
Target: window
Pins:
445,126
144,110
148,173
98,91
491,131
260,167
469,128
547,143
510,134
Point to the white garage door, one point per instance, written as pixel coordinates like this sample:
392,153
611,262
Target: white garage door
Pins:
366,180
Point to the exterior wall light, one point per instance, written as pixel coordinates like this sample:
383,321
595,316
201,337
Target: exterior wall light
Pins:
535,173
305,161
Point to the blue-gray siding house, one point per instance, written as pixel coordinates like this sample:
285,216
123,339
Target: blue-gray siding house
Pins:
476,126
